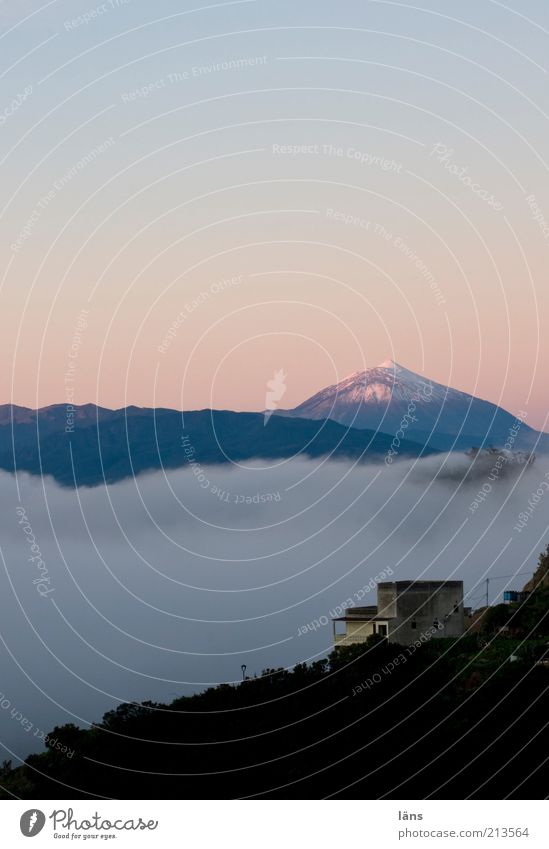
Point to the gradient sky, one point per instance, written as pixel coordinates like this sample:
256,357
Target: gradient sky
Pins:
139,171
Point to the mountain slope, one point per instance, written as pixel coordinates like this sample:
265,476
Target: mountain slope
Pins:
387,395
110,445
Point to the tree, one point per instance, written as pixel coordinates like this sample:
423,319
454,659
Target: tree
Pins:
540,579
495,618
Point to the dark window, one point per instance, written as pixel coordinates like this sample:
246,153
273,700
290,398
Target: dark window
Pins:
382,630
413,624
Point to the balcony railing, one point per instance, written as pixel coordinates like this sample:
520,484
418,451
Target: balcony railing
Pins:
344,640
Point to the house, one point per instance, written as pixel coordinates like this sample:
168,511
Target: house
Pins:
405,611
515,596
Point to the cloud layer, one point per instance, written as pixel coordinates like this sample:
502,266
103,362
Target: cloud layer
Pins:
163,585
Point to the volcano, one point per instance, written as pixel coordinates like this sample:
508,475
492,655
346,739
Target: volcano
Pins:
390,398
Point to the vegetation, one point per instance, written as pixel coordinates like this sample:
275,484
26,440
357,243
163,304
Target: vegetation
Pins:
529,619
450,721
456,718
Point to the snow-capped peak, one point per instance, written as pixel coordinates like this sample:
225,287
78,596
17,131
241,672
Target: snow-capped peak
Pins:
378,385
392,398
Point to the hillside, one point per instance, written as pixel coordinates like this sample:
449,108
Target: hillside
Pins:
454,721
389,396
110,445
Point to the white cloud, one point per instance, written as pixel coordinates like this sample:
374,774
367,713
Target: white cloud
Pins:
165,578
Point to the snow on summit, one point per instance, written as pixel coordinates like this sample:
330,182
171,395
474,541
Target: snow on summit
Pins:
379,398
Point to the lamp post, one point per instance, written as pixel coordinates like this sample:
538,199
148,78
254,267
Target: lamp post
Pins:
243,668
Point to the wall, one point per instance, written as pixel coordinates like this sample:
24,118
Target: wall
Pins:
424,603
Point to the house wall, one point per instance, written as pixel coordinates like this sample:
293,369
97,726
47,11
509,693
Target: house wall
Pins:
423,603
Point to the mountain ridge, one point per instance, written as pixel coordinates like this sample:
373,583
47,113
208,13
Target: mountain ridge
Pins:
387,410
118,446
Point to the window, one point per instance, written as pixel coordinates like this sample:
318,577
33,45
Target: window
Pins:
413,624
382,630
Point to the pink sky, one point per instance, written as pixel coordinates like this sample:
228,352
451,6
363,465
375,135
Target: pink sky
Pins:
371,202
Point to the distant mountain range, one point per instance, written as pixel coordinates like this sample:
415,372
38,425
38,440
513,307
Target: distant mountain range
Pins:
386,396
359,418
110,445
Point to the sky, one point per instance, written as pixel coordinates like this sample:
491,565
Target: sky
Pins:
195,197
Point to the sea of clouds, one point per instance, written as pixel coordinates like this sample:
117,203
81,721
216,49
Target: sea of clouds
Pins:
162,585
